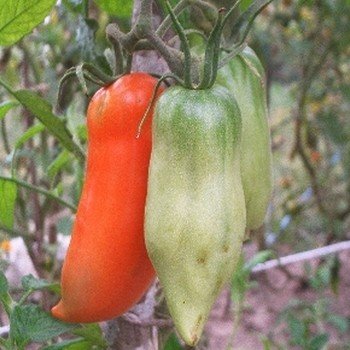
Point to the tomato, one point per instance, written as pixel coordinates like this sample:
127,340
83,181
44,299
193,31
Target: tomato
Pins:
107,270
244,78
195,209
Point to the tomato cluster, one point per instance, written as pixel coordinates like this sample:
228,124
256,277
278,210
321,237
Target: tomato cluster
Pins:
176,200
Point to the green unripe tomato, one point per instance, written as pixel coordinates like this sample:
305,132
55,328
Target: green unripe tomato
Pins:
195,209
243,76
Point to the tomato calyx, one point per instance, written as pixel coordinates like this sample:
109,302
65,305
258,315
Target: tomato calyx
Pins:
83,72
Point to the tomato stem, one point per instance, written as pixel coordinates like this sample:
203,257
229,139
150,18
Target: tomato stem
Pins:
118,54
210,60
186,47
183,63
153,98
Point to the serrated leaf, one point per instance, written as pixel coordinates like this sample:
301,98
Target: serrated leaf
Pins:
20,17
92,333
318,342
31,323
8,194
29,133
6,106
73,344
120,8
29,282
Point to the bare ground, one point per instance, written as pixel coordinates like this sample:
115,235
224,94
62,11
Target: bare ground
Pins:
274,290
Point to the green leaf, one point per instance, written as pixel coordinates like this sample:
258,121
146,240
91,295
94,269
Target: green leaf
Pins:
20,17
297,329
92,333
318,342
172,343
266,343
42,110
31,323
73,344
40,190
29,282
8,194
4,286
244,4
341,323
120,8
75,6
258,258
6,106
60,161
29,133
240,282
5,297
243,24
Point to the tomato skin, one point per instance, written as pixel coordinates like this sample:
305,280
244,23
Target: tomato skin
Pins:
244,77
195,209
107,270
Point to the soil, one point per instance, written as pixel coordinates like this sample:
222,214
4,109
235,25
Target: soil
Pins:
274,291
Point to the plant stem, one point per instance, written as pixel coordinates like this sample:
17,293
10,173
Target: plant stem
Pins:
30,61
25,296
185,44
173,57
36,189
118,54
166,24
4,136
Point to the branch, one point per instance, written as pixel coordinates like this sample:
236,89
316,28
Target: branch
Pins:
309,73
166,24
303,256
36,189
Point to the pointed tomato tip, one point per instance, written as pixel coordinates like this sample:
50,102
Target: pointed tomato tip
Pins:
58,311
191,338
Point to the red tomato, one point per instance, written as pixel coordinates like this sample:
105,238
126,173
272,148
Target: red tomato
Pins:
107,270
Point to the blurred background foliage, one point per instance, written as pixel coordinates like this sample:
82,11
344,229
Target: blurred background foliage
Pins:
305,48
